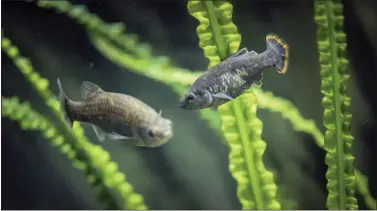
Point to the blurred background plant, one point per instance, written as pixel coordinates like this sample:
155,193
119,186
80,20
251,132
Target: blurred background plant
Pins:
170,177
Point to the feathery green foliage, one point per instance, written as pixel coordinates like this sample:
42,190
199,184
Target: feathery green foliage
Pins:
125,51
288,111
243,130
362,187
95,156
267,100
31,120
112,41
219,38
337,119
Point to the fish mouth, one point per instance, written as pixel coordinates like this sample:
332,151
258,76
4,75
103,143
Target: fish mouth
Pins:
169,132
164,138
181,104
168,135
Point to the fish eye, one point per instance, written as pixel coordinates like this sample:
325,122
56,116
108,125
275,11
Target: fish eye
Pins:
190,98
150,133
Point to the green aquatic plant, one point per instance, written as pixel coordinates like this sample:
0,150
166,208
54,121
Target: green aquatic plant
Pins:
115,44
219,39
101,171
125,50
332,45
242,130
30,120
267,100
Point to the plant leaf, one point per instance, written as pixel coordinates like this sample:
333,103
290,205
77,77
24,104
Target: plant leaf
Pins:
266,100
103,35
337,118
219,38
215,28
31,120
288,111
95,155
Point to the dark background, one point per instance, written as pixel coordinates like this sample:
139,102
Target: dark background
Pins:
191,172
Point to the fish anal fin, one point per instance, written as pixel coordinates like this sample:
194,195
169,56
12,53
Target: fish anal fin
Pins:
89,90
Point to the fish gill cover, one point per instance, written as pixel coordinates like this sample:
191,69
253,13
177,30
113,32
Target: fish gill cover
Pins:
239,123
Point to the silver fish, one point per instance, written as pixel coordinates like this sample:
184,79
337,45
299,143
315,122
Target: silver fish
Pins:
116,116
231,77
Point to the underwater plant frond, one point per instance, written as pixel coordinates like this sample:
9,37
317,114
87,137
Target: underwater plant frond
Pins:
30,120
129,54
242,130
288,111
92,22
219,38
96,155
176,78
151,68
125,50
362,187
332,45
121,48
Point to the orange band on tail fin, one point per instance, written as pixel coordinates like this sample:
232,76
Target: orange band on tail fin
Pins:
280,47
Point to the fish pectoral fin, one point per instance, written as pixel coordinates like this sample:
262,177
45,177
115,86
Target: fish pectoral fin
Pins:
116,136
89,90
100,133
239,53
222,95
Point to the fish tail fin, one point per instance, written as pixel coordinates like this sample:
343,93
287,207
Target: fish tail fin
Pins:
63,104
281,49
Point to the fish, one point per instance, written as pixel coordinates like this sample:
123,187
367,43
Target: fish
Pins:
233,76
116,116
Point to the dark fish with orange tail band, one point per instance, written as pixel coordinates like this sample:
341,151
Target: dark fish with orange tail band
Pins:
116,116
231,77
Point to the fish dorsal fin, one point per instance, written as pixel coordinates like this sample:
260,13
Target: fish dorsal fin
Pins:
243,52
89,90
240,52
253,53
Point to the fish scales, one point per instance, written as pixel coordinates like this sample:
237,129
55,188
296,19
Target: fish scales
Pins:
110,106
230,78
233,75
132,110
116,116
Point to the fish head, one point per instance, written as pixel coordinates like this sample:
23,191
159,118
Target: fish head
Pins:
196,99
157,133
